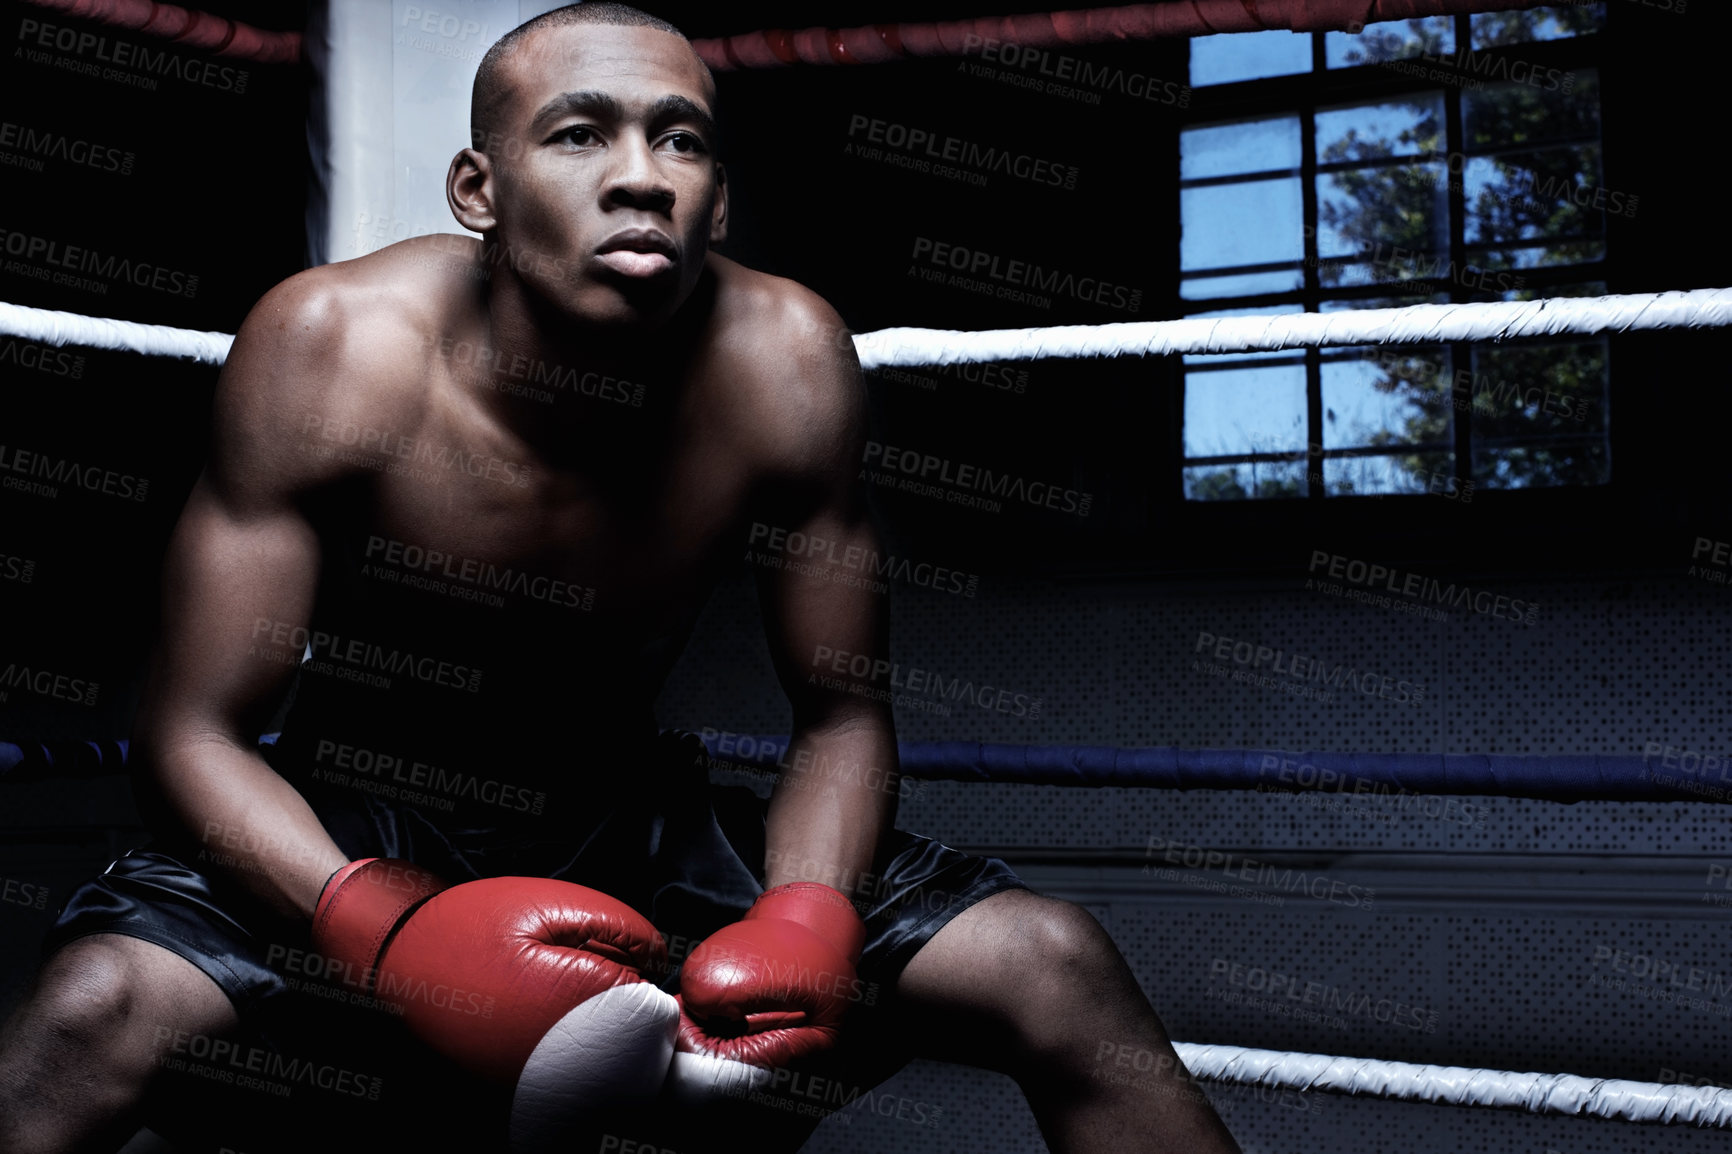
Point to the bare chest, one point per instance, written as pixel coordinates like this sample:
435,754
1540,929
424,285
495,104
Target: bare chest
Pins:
457,529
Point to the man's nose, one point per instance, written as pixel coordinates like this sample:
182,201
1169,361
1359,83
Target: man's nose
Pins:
637,180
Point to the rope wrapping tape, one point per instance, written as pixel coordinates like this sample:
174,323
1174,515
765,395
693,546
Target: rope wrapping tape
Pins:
1414,325
217,35
1609,1098
48,327
35,760
878,43
1591,777
904,347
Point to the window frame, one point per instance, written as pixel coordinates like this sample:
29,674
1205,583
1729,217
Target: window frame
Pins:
1535,530
1305,95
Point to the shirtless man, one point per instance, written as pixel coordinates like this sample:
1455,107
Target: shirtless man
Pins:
495,584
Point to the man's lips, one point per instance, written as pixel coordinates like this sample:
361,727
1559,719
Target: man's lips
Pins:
635,264
637,252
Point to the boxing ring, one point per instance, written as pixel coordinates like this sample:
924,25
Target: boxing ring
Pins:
1564,779
355,195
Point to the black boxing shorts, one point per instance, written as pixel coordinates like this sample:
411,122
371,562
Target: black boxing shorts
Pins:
685,853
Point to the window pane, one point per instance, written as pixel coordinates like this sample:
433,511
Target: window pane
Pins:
1494,28
1228,225
1385,225
1376,221
1239,147
1553,196
1260,479
1365,405
1248,56
1408,126
1229,412
1423,372
1538,414
1202,288
1391,40
1501,115
1534,195
1500,269
1418,472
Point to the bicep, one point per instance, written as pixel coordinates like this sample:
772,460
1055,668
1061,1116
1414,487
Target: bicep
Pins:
238,588
243,561
825,603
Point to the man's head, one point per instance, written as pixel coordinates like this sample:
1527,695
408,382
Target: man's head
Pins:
592,168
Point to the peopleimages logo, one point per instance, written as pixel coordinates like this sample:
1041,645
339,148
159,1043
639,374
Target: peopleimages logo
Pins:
32,142
1084,73
1369,575
791,547
1480,66
467,578
353,659
48,683
864,669
40,38
19,569
1259,873
1025,275
402,778
928,469
54,362
73,259
52,471
1289,671
928,146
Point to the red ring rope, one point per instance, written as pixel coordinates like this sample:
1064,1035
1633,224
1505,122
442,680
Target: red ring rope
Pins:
217,35
874,44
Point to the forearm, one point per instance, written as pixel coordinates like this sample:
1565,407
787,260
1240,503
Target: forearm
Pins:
251,824
833,804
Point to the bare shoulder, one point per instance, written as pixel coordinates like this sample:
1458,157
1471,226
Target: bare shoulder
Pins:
342,344
792,361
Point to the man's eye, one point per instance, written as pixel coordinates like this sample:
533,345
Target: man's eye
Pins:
685,142
579,134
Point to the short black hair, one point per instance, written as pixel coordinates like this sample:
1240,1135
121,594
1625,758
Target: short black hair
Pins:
490,89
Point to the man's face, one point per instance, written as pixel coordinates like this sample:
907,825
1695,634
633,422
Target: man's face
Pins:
606,189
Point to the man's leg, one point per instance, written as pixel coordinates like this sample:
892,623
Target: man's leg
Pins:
77,1056
1033,987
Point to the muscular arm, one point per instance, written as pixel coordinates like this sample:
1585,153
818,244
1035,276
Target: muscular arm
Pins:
839,796
239,581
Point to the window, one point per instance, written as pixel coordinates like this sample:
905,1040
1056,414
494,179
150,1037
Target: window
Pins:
1435,160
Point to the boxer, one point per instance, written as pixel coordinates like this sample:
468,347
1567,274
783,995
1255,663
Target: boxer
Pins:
473,570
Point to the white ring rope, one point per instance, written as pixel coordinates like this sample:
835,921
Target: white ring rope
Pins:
1611,1098
1416,324
54,328
901,347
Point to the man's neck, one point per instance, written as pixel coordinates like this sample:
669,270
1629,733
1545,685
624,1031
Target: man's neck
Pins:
566,386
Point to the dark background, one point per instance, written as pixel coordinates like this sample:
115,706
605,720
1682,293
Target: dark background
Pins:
218,189
1096,615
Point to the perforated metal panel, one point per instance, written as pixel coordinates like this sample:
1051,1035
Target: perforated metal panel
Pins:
1532,935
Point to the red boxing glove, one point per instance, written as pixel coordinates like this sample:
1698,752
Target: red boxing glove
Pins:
768,990
528,981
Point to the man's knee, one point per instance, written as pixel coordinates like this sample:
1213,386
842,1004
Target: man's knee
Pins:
1059,938
108,1000
1064,979
76,1057
89,990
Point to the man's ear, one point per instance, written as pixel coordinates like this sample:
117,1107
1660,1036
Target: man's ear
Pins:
719,215
469,191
